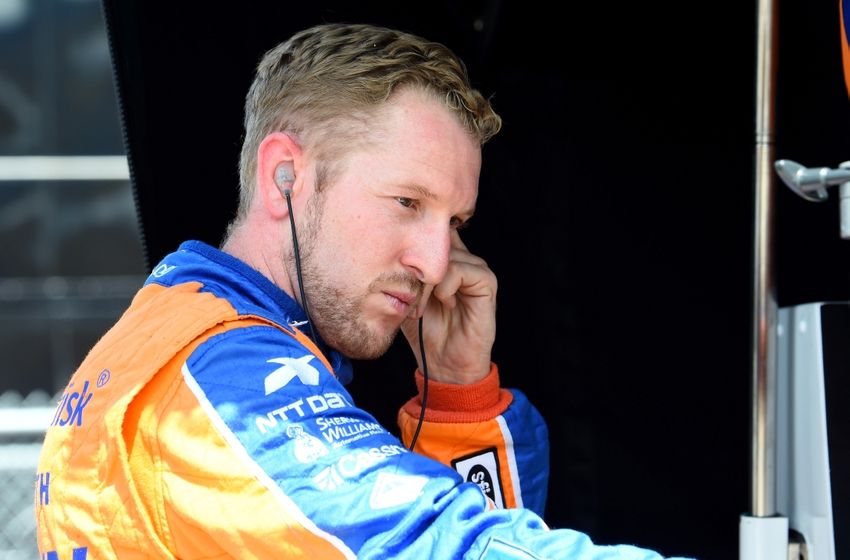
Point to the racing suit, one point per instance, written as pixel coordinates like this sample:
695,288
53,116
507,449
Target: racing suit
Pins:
205,424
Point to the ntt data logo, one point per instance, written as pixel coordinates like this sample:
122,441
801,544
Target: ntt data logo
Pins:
290,369
298,409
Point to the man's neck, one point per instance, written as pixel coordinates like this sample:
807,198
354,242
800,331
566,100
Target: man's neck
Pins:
262,251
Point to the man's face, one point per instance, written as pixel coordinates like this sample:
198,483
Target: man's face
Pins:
380,231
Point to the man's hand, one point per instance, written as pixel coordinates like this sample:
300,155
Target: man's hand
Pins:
459,319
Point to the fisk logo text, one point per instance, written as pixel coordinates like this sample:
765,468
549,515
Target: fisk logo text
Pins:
71,407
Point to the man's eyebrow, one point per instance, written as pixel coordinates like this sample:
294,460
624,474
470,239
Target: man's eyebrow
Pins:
419,190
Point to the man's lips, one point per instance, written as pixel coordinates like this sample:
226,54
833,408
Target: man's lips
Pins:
405,297
401,301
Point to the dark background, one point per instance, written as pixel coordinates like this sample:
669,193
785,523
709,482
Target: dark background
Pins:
615,207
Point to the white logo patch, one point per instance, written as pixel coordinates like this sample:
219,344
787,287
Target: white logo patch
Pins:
307,448
316,403
328,479
483,469
392,490
162,270
291,368
353,464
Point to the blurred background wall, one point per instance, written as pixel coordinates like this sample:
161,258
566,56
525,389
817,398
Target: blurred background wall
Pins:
70,256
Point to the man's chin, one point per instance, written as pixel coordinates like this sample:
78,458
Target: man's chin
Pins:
363,346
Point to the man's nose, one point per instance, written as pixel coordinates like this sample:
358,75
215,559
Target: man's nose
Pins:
427,254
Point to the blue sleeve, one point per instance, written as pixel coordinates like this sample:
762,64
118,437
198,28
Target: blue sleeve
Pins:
350,476
530,439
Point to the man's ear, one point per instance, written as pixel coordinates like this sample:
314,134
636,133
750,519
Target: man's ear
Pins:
279,161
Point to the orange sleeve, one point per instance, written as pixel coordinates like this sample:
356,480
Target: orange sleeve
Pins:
462,428
448,402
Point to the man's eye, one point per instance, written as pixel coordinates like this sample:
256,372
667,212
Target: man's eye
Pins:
406,202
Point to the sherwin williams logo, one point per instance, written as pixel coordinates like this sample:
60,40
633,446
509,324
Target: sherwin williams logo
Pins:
340,430
71,407
290,369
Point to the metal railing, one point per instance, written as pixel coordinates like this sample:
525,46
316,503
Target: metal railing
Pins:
22,427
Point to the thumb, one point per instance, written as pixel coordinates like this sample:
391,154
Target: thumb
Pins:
410,328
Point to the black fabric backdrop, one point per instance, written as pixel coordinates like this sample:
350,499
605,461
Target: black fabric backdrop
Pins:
615,208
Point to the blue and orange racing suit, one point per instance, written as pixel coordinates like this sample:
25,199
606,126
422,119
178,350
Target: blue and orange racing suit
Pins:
204,424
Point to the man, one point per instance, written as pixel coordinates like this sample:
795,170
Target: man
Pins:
212,420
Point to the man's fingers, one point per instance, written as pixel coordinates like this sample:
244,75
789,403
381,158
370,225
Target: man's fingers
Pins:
468,280
467,275
462,255
423,301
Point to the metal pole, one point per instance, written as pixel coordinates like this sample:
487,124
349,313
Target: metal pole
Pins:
764,299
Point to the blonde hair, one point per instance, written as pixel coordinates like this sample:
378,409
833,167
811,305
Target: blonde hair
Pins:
324,83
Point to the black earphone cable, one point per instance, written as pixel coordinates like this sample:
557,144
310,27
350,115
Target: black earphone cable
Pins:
424,387
296,251
287,193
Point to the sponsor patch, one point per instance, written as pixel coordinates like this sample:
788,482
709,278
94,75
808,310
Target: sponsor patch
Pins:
43,485
270,422
307,448
76,554
351,465
392,490
162,270
328,479
289,369
482,468
339,431
72,405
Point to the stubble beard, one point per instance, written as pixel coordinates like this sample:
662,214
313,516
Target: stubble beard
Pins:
337,316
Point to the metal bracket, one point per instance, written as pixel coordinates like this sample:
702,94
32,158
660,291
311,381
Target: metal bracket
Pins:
811,184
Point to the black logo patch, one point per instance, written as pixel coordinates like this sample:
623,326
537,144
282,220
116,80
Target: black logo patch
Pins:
482,468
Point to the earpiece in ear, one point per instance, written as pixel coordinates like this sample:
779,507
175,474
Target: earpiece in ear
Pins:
283,174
